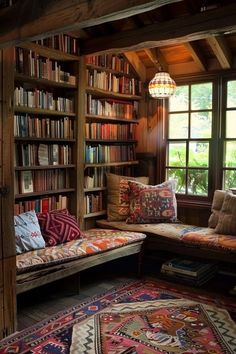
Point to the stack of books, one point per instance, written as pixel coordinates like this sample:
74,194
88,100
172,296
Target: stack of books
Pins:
189,271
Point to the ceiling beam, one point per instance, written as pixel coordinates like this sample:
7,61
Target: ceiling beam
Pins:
31,19
179,30
156,58
221,50
196,55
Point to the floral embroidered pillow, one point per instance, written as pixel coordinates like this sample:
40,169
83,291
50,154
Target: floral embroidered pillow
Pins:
152,204
27,232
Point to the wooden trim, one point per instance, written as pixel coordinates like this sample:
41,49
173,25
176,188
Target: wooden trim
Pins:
111,119
110,94
34,19
48,112
30,280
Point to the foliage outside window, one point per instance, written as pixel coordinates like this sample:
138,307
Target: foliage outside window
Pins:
229,152
189,138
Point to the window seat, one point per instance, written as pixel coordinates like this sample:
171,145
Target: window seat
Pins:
97,246
181,239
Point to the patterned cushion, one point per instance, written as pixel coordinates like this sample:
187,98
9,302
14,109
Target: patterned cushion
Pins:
217,203
151,204
27,232
58,226
227,216
117,207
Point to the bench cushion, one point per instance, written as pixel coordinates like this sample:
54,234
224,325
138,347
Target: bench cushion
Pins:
188,234
94,241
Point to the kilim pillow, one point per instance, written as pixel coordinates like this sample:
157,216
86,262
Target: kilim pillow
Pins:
117,207
227,216
152,204
27,232
58,226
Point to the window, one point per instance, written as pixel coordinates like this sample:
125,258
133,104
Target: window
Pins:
229,133
189,138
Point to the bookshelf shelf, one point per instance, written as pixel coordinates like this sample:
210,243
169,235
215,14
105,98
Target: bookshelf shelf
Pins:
43,82
95,189
121,163
43,193
109,94
49,140
103,68
91,117
92,215
40,111
111,141
46,167
49,52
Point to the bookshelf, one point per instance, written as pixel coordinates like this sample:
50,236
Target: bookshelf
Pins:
45,125
113,92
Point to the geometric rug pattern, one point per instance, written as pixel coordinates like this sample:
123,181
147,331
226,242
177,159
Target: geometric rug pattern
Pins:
142,316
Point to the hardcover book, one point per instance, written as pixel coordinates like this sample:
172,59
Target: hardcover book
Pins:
186,266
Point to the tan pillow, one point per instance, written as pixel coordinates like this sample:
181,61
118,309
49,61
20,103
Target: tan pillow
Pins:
216,206
117,210
227,217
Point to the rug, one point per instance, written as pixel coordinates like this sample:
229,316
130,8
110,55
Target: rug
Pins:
133,318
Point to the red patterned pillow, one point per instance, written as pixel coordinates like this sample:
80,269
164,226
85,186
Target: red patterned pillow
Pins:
151,204
58,226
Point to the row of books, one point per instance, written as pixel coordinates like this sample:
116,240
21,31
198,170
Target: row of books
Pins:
112,108
42,99
109,61
26,125
189,271
63,42
112,82
96,177
41,205
109,153
38,181
109,131
42,154
93,202
32,64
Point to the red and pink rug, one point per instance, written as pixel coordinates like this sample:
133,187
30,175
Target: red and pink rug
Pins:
142,317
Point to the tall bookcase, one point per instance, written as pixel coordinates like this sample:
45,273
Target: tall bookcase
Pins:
113,92
45,126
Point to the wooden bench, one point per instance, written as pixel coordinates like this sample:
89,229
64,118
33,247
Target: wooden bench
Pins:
42,266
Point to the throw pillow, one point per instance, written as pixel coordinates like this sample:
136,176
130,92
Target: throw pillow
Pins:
152,204
217,203
117,208
58,226
227,217
27,232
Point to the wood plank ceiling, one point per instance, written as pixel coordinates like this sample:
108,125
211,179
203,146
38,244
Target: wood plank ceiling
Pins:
183,37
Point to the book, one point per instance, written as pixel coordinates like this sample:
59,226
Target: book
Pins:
26,182
185,266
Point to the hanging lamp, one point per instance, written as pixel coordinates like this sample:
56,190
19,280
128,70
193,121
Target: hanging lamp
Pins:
162,85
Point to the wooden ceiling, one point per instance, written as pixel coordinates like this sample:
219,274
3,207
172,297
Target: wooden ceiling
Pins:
188,36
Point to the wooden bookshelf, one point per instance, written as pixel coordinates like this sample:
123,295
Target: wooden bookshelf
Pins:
45,124
111,114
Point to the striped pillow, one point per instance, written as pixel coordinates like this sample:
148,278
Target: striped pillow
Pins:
58,226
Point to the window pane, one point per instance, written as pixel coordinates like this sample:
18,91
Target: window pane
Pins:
198,154
198,182
201,96
180,175
230,154
178,126
230,124
201,124
229,179
231,96
180,101
177,154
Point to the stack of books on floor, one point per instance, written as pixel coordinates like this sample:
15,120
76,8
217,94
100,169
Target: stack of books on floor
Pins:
191,272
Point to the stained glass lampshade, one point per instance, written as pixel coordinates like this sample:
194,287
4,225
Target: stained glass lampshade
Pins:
162,85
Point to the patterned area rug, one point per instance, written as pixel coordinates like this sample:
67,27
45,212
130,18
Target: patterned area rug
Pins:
139,317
